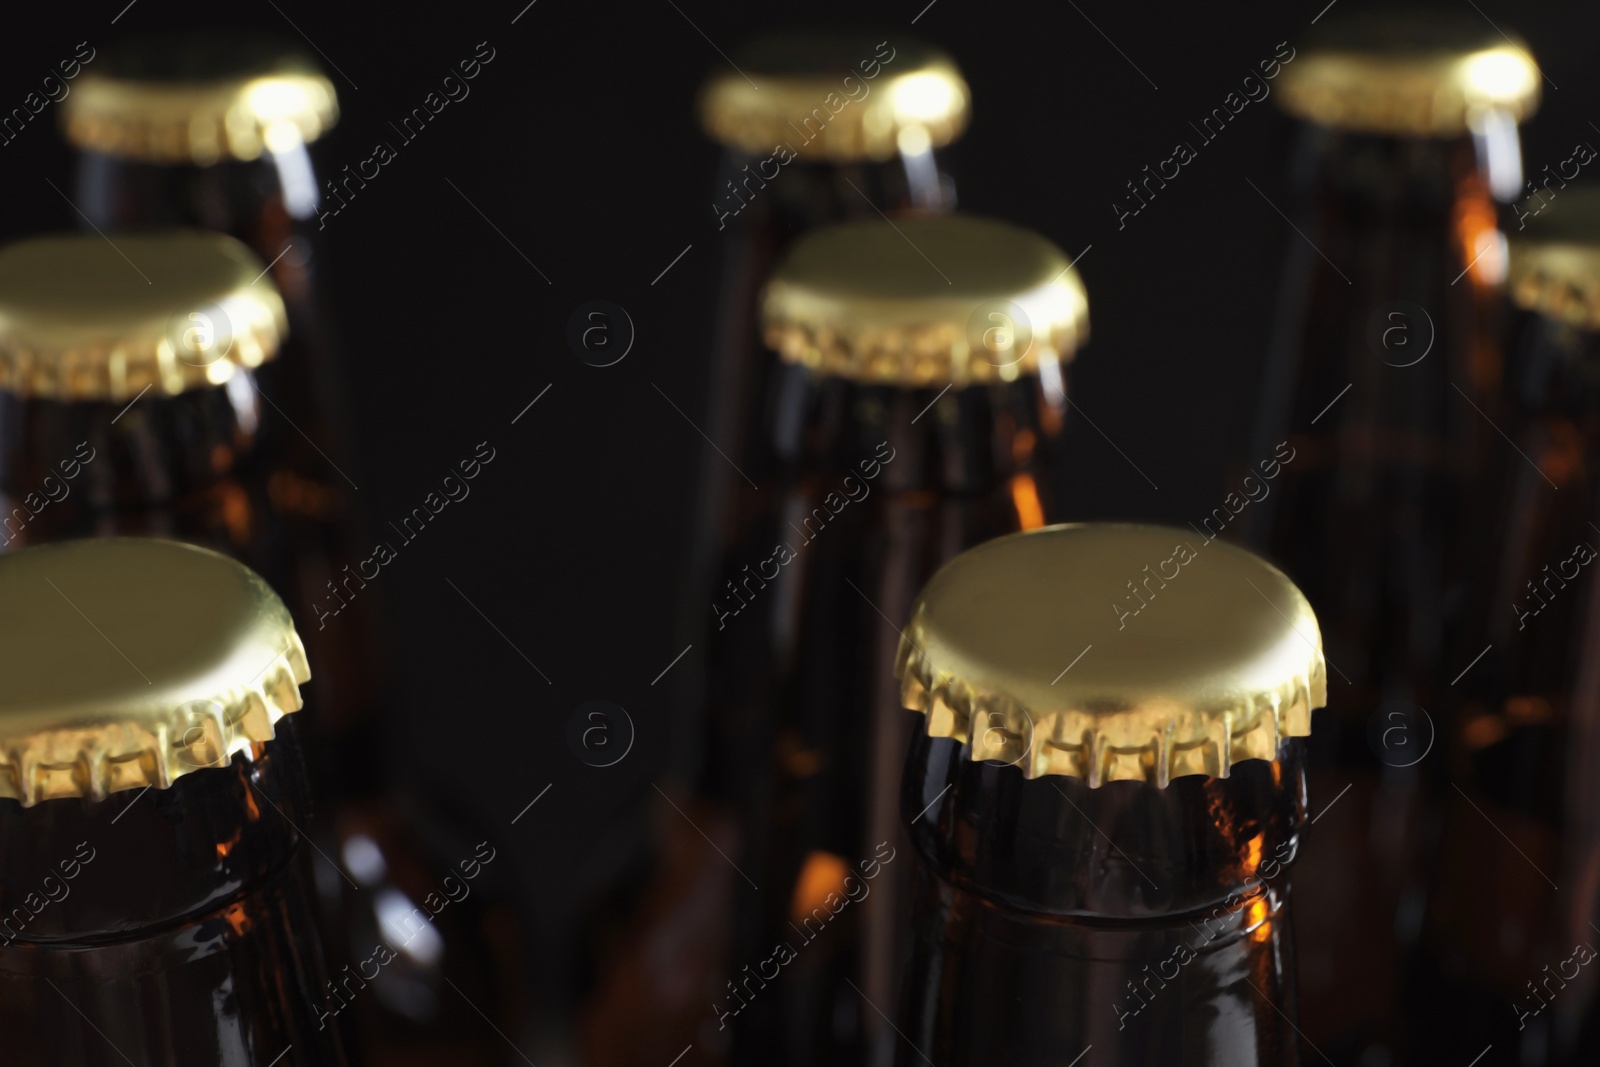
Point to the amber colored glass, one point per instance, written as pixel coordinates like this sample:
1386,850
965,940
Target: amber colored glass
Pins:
1523,747
869,489
167,926
1148,923
662,939
1384,342
803,197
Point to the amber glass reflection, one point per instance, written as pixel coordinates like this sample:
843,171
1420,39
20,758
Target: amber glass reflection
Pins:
166,926
1382,346
1148,923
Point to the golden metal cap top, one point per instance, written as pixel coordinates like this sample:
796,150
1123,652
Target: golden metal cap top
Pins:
1555,259
130,662
89,317
926,301
199,98
1409,74
1112,652
835,97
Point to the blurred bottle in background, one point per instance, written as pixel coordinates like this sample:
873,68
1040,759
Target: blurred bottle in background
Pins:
1105,804
157,901
1383,362
129,404
1524,744
816,129
913,402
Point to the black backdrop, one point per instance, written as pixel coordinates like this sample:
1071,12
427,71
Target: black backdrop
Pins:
578,143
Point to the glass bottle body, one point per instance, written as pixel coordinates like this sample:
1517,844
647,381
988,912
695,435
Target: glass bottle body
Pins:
878,488
1499,938
761,220
1383,362
662,938
1148,923
178,923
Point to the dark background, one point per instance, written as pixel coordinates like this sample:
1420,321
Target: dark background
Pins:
579,143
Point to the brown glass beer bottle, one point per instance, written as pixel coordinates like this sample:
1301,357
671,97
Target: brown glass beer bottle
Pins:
1105,792
914,400
129,404
155,902
1503,947
1376,402
816,128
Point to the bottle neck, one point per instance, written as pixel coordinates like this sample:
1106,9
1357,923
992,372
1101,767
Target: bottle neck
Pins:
151,858
956,442
175,466
1094,901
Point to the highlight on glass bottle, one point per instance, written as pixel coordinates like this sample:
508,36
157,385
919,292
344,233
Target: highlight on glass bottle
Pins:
1105,792
150,801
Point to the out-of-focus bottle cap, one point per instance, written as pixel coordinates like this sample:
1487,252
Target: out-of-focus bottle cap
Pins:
1409,74
926,301
87,317
1555,257
1113,652
839,98
129,662
200,97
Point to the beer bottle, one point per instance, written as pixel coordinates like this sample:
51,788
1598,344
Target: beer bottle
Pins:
1504,948
914,399
129,404
1377,404
156,901
816,128
1105,793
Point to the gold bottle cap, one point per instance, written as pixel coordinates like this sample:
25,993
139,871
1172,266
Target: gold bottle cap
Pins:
89,317
1409,74
1058,651
130,662
199,98
836,98
1555,258
926,301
